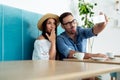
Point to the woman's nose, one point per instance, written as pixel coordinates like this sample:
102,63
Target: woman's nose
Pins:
53,25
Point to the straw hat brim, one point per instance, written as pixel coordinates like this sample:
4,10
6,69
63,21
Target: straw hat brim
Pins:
46,16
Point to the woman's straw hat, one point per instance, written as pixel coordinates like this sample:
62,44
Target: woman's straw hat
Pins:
46,16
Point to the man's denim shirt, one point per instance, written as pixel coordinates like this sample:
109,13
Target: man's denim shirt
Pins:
65,43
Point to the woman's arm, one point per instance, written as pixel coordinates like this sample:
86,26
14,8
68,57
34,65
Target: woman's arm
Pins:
52,39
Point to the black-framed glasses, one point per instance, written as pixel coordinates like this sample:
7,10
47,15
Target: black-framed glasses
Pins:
74,21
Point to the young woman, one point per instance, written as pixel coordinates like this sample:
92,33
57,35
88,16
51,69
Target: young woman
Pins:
45,44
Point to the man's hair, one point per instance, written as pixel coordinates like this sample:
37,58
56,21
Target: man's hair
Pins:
63,16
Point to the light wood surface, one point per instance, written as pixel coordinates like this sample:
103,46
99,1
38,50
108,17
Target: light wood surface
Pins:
52,70
108,61
117,55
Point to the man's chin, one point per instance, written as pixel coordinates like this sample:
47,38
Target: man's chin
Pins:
73,31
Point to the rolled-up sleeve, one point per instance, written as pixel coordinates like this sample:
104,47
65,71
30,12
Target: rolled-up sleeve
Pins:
62,47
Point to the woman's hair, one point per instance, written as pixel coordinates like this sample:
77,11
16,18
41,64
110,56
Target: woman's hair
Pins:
44,28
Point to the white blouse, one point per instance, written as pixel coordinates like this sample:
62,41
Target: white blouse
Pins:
41,50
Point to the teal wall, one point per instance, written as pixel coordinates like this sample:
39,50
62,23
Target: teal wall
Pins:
12,33
0,33
18,31
30,32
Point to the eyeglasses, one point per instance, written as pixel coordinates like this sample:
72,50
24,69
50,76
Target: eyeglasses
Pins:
74,21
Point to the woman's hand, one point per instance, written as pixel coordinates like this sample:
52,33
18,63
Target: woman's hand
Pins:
52,36
52,39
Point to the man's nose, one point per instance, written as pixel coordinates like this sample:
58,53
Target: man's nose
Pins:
72,25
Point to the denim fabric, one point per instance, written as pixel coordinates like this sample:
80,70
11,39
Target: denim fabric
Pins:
113,74
65,43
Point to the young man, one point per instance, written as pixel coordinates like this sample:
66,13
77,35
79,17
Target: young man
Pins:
74,38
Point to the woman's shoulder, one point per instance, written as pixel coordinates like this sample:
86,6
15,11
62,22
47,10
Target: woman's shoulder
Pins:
40,37
41,40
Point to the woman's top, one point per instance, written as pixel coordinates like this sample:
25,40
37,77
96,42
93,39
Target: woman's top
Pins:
41,50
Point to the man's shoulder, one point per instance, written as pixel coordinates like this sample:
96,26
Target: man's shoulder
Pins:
61,35
80,27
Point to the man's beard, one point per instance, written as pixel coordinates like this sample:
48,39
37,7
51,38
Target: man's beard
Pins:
71,32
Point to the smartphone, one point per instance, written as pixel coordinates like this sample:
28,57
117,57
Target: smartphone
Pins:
98,19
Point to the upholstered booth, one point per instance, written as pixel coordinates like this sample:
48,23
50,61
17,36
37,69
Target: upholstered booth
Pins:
18,30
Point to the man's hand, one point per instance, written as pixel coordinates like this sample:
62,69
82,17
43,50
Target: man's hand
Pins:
100,26
89,55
